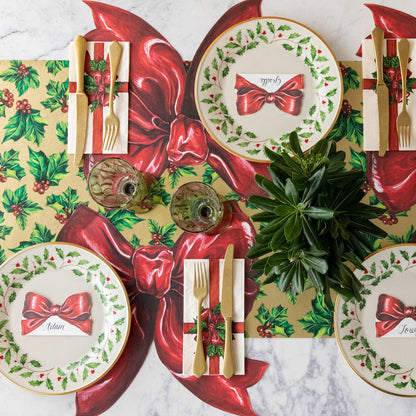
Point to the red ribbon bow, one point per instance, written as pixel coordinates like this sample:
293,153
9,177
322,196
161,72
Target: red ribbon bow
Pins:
390,312
250,97
76,310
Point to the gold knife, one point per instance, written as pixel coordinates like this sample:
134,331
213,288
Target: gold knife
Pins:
382,92
81,100
227,310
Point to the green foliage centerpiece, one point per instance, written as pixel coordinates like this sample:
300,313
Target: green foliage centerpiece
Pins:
314,222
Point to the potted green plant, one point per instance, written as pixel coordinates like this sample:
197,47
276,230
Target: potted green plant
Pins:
313,222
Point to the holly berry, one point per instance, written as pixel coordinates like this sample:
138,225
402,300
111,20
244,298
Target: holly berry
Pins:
344,71
157,238
23,106
17,210
263,331
346,108
172,168
388,220
64,107
8,98
41,186
366,187
63,218
23,70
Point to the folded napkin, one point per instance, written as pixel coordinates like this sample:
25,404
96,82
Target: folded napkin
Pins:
392,71
97,87
214,332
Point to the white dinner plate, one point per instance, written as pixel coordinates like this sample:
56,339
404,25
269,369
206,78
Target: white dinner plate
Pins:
64,318
268,53
377,335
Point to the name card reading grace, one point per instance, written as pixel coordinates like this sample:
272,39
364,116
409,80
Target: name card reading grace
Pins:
394,319
41,317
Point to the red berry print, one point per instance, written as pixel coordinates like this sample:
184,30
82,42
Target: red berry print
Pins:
92,371
319,51
8,98
59,378
231,39
17,264
41,375
23,106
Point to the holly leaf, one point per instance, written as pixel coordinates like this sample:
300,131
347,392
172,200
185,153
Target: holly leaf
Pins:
62,132
275,321
52,167
30,126
319,321
4,229
9,165
351,79
24,77
122,218
40,234
56,66
135,241
358,160
64,203
164,233
405,238
355,127
179,172
209,175
58,95
2,255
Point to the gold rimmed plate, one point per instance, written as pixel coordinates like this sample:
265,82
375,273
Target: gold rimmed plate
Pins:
64,318
377,335
261,80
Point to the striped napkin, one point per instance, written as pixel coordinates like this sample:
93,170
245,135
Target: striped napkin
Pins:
211,315
97,56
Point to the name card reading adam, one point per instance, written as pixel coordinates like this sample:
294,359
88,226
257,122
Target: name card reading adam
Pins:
42,317
285,91
394,319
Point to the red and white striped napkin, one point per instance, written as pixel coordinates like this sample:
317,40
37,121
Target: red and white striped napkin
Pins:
97,51
213,316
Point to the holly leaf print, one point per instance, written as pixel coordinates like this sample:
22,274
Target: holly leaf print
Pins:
209,175
52,168
58,96
9,165
177,172
62,132
65,203
17,202
40,234
27,123
319,321
4,229
56,66
161,235
403,239
121,218
135,241
274,322
24,77
350,77
2,256
349,126
157,193
358,160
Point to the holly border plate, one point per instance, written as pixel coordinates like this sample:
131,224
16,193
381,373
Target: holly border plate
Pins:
278,41
61,269
387,363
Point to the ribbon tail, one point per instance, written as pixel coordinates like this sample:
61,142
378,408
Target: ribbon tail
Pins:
102,395
228,395
383,327
29,325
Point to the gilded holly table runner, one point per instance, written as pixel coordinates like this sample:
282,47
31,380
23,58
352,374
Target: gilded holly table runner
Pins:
43,197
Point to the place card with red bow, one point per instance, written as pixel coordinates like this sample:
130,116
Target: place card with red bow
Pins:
42,317
284,91
213,330
394,319
96,86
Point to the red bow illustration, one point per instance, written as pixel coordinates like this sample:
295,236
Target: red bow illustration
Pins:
76,310
251,98
390,312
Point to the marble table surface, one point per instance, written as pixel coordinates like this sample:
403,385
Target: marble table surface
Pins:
305,376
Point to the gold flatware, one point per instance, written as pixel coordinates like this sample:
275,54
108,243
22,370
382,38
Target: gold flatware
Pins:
382,92
227,310
200,292
81,100
111,122
403,121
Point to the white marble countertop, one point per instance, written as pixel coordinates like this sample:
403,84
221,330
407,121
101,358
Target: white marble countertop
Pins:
305,376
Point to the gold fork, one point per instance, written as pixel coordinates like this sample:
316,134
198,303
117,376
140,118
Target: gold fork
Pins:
111,122
403,121
200,293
